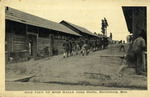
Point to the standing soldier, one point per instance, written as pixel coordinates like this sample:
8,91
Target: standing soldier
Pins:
80,42
98,45
73,47
128,38
77,47
84,48
138,48
66,49
94,45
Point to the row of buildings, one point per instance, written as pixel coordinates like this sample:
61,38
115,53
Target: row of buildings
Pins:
27,35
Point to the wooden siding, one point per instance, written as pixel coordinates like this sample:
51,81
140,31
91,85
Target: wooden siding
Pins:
58,46
43,44
19,43
16,46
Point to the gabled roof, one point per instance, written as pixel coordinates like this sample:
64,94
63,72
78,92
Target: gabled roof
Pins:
81,29
22,17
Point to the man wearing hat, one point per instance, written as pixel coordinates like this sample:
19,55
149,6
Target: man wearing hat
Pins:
138,47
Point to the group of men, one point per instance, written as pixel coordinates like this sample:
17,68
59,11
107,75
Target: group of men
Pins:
83,46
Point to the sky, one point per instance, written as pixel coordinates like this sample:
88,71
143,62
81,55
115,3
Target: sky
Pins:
85,13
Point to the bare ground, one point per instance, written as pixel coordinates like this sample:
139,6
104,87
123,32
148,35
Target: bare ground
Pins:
91,70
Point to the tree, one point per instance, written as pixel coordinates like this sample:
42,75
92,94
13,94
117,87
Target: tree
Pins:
104,25
105,22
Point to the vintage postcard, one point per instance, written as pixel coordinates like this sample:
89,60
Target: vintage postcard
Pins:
74,48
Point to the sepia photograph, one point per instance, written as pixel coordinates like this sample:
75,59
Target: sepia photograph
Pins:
74,45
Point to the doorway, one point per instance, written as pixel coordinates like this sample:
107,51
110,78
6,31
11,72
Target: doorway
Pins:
32,45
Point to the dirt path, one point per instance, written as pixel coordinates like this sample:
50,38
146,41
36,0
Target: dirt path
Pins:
80,70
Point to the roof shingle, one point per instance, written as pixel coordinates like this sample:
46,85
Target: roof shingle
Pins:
83,30
22,17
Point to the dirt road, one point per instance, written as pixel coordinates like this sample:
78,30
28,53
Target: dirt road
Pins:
91,70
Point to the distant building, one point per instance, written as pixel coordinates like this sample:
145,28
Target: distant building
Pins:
80,30
29,36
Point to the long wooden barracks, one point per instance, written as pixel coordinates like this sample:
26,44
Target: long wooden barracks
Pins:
80,30
27,36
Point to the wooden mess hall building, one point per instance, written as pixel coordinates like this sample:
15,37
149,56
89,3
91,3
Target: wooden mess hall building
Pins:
136,18
80,30
28,36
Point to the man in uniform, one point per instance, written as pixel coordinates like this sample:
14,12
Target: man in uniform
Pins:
94,45
77,47
66,49
138,47
84,47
